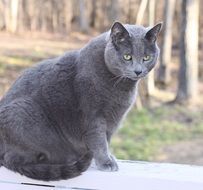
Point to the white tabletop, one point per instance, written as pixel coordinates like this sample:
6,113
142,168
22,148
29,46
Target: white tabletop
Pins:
131,175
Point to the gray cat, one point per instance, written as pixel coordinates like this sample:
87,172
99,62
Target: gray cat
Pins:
62,112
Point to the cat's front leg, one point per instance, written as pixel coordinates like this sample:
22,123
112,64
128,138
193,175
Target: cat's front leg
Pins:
96,141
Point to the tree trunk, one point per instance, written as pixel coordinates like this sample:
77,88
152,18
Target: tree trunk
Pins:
150,78
84,25
68,15
114,11
93,13
14,15
2,15
164,76
141,11
7,15
188,73
26,14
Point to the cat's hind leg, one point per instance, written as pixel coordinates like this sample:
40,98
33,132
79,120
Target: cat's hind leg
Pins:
32,148
44,170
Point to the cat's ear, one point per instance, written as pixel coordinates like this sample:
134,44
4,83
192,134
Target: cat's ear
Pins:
152,34
118,33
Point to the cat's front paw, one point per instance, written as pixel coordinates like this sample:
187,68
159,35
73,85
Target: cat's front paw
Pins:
109,165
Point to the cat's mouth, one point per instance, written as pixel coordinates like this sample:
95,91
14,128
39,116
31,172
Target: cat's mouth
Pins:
137,77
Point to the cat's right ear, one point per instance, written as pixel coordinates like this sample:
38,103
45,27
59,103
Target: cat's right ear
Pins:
118,33
152,34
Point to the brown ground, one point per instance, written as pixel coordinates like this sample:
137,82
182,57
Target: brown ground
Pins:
186,152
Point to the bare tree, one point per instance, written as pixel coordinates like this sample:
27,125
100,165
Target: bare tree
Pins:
150,78
7,15
11,15
93,13
164,75
141,11
113,12
68,14
14,15
188,75
84,25
26,14
100,19
2,15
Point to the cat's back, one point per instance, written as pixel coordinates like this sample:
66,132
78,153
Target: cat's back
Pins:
50,72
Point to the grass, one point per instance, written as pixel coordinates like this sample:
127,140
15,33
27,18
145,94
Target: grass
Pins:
145,132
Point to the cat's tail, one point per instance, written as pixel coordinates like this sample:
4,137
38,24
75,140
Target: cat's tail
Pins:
49,172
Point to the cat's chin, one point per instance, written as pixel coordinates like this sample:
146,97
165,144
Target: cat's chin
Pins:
137,78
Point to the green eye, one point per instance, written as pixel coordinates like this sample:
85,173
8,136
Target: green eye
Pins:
146,58
127,57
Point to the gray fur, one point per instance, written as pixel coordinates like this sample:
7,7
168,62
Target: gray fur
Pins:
62,112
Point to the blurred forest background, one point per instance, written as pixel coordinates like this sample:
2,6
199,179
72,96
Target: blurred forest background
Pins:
166,123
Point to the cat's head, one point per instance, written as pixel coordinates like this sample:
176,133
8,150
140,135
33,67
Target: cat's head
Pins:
131,51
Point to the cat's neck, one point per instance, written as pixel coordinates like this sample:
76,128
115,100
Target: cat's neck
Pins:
98,69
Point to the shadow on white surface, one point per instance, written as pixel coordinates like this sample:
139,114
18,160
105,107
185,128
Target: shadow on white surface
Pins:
131,175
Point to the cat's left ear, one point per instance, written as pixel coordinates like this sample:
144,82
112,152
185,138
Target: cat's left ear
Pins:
118,33
152,34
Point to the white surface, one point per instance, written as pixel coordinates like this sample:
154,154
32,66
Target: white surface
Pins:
131,175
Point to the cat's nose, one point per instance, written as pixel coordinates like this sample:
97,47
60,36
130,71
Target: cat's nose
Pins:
138,72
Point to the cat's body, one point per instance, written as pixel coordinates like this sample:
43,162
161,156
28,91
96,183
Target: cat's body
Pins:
62,113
